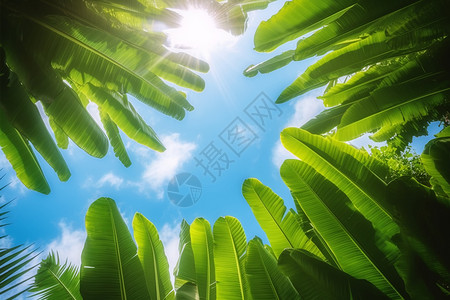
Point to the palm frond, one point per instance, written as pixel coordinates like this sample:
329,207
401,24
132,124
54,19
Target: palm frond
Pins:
15,262
54,280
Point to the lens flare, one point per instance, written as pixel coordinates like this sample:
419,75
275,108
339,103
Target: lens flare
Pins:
198,31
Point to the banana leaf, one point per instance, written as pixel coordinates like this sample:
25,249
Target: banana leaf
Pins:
353,171
282,229
379,46
266,282
114,138
124,115
423,219
393,105
25,117
153,259
435,160
110,266
270,65
59,101
315,279
203,249
187,291
185,269
361,19
295,19
21,157
350,236
230,245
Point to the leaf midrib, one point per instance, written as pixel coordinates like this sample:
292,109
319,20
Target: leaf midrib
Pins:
278,224
155,266
98,53
393,108
61,283
343,228
342,174
236,260
118,256
274,290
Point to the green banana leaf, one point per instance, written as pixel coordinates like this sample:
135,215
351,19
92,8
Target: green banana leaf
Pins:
359,85
203,249
270,65
435,160
25,117
124,115
59,100
423,218
282,229
379,46
295,19
315,237
121,70
393,105
153,259
185,269
266,282
110,267
326,120
364,17
114,138
353,171
187,291
54,281
20,155
230,245
315,279
62,140
349,236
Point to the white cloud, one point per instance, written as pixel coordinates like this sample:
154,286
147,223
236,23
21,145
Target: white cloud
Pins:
12,180
166,165
169,235
280,154
109,179
6,241
304,110
4,162
16,185
69,244
141,151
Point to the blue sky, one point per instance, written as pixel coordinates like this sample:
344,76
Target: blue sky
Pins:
56,221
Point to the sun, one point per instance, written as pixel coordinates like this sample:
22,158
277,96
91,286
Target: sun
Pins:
198,31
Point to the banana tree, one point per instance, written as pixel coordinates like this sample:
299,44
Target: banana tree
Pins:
61,56
114,267
215,263
388,233
385,64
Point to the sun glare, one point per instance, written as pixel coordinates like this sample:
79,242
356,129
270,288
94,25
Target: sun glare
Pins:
198,31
